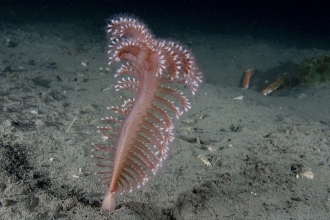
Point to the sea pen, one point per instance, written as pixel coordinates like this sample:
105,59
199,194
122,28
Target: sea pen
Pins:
144,128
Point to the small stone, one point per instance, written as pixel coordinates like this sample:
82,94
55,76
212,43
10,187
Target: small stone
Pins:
39,123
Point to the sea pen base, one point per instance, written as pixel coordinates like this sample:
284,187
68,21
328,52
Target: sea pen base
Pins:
109,202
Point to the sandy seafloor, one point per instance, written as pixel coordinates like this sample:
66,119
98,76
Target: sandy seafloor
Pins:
257,145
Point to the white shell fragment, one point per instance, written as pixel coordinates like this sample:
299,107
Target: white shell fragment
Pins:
213,148
203,158
308,174
253,193
239,97
105,138
35,112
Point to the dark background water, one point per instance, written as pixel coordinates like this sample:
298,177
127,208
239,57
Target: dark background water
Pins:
301,23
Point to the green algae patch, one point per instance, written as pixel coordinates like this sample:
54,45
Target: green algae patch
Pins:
316,70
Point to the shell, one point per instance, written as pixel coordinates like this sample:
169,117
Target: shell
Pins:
239,97
203,158
308,174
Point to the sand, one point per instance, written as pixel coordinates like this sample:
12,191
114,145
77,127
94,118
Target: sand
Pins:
55,86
